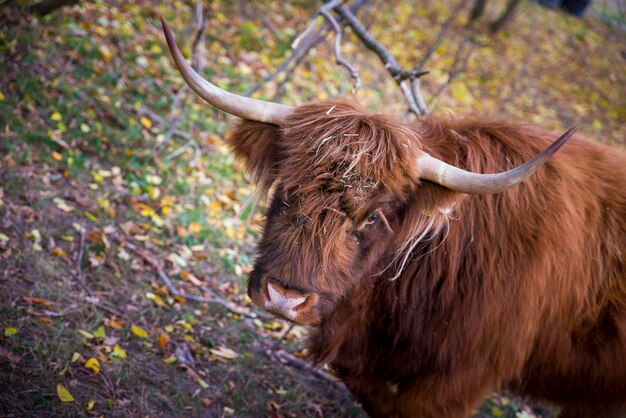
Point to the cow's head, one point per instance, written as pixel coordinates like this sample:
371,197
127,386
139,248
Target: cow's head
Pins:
342,179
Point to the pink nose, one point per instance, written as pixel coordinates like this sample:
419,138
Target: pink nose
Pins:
295,305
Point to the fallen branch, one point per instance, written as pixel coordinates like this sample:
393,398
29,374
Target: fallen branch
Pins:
150,259
306,366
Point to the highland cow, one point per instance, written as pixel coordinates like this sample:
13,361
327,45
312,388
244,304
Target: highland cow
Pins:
429,286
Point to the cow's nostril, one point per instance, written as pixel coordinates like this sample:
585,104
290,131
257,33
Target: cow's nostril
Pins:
280,301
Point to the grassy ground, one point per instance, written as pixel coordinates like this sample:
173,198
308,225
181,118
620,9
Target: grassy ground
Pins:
108,184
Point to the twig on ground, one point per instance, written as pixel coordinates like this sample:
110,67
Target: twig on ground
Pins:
150,259
77,273
280,340
304,365
79,257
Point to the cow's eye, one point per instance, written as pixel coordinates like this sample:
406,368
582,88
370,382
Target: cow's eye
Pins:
373,218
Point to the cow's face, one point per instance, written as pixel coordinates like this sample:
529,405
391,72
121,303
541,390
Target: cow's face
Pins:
341,180
344,181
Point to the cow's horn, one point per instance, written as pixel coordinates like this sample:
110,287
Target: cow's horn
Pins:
244,107
467,182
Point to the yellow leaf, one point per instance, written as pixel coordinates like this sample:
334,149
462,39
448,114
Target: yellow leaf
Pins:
461,93
56,116
61,204
64,394
93,364
139,332
90,405
86,334
119,351
145,122
10,331
59,252
170,360
100,332
195,227
75,357
91,217
225,353
105,52
57,156
2,97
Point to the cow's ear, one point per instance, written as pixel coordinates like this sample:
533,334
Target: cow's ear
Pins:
257,144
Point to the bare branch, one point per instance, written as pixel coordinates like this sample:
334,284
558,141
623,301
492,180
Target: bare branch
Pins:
322,10
297,54
440,36
340,60
458,66
197,54
399,74
302,44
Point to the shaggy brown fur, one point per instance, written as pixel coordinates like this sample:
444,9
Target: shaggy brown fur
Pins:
524,289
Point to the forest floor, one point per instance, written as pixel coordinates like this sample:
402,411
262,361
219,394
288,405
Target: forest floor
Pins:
117,195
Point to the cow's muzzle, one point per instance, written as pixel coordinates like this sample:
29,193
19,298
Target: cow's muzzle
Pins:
295,305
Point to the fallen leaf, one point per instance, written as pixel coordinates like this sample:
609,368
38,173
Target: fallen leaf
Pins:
59,252
93,364
90,404
100,332
195,227
139,332
145,122
224,352
163,339
64,394
10,331
105,52
61,204
119,352
116,323
86,334
170,360
37,301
